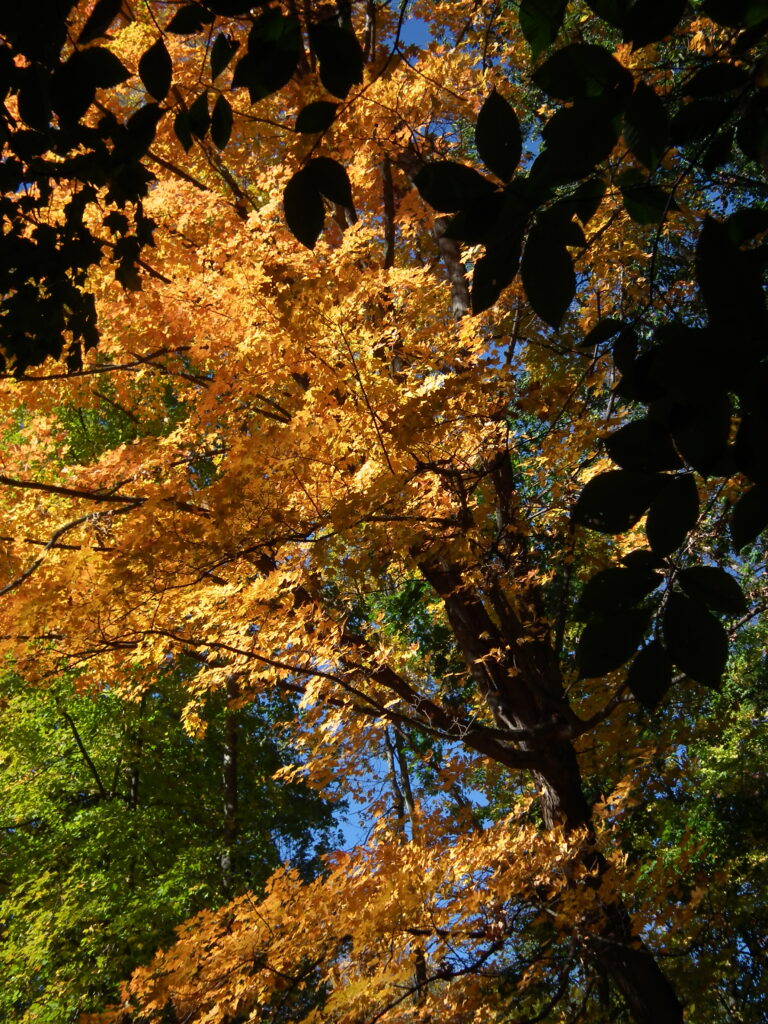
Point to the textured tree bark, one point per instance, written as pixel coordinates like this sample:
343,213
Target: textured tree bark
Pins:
517,671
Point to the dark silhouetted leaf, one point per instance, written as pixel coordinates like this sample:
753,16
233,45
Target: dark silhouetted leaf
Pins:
646,203
221,122
34,97
750,516
647,21
199,118
449,186
548,275
645,445
498,137
613,590
716,78
331,180
714,587
99,20
609,644
614,501
577,138
540,21
672,515
303,208
646,126
181,130
274,45
604,329
492,273
188,19
155,70
612,11
696,640
701,432
316,117
339,55
582,70
698,119
650,675
223,50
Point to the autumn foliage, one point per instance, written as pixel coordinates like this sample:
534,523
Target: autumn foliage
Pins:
308,469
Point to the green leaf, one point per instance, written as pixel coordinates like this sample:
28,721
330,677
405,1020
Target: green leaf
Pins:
449,186
540,21
316,117
498,137
221,122
750,517
714,587
613,590
223,50
648,21
582,70
643,444
650,675
609,644
155,70
303,208
646,126
614,501
696,640
672,515
646,203
548,275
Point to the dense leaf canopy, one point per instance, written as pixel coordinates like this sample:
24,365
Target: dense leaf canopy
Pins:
404,369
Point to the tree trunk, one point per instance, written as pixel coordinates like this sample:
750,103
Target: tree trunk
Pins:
516,669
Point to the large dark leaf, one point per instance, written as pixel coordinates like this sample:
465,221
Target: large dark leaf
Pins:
645,203
714,587
696,640
717,78
221,122
582,70
650,674
316,117
339,55
449,186
74,84
646,126
643,444
189,19
274,46
672,515
750,516
222,52
613,590
614,501
548,275
498,137
331,180
492,273
156,69
577,138
199,117
701,432
99,20
540,21
647,21
303,208
609,644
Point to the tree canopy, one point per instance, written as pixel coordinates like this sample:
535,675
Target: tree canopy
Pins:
406,365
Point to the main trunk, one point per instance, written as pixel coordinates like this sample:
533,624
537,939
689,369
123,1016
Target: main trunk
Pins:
516,669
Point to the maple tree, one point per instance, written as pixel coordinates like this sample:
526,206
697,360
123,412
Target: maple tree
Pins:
360,494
